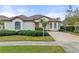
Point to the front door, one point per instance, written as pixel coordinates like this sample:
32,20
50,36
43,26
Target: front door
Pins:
17,26
36,24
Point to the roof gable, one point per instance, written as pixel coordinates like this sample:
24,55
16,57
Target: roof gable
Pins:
31,18
3,17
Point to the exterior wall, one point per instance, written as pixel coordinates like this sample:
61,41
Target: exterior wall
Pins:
40,25
57,27
28,26
48,25
10,25
45,18
54,29
17,20
1,27
59,24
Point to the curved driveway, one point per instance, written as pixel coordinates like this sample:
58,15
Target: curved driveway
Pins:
61,36
68,41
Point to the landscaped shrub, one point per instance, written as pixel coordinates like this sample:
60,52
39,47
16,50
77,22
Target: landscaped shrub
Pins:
40,33
37,33
23,32
62,28
38,28
7,32
32,33
68,28
29,33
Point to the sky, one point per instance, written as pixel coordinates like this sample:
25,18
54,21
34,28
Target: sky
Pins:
53,11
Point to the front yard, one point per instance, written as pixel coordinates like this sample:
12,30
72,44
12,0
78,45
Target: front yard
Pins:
24,35
31,49
25,38
74,33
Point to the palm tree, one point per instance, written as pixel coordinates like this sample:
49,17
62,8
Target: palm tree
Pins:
44,22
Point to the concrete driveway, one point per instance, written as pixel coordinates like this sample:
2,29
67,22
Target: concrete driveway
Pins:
61,36
68,41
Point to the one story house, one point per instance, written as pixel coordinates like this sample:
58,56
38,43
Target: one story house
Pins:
23,22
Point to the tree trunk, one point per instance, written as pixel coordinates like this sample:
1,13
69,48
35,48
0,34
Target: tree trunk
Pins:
43,32
64,28
75,29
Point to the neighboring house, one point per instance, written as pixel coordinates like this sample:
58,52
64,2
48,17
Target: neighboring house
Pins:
1,27
22,22
2,18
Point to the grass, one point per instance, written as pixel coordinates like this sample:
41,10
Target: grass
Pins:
31,49
25,38
74,33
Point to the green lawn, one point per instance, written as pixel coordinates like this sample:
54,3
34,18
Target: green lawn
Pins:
31,49
25,38
74,33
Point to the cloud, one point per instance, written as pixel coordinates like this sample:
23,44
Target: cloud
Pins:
55,15
7,11
7,8
7,14
21,10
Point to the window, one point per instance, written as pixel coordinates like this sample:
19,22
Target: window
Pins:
55,25
17,25
50,25
36,25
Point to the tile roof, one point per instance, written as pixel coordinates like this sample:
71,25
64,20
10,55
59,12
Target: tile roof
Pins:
25,18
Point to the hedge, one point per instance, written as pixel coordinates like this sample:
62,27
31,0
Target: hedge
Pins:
23,32
38,28
62,28
68,28
40,33
7,32
32,33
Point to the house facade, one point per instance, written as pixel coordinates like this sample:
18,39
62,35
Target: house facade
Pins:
22,22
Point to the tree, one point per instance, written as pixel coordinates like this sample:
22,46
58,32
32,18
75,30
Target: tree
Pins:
76,19
68,17
72,17
76,25
44,22
76,12
70,11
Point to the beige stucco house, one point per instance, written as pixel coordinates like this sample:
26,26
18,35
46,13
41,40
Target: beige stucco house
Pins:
22,22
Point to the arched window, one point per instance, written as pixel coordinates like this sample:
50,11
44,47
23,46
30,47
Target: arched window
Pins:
55,25
17,25
50,25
